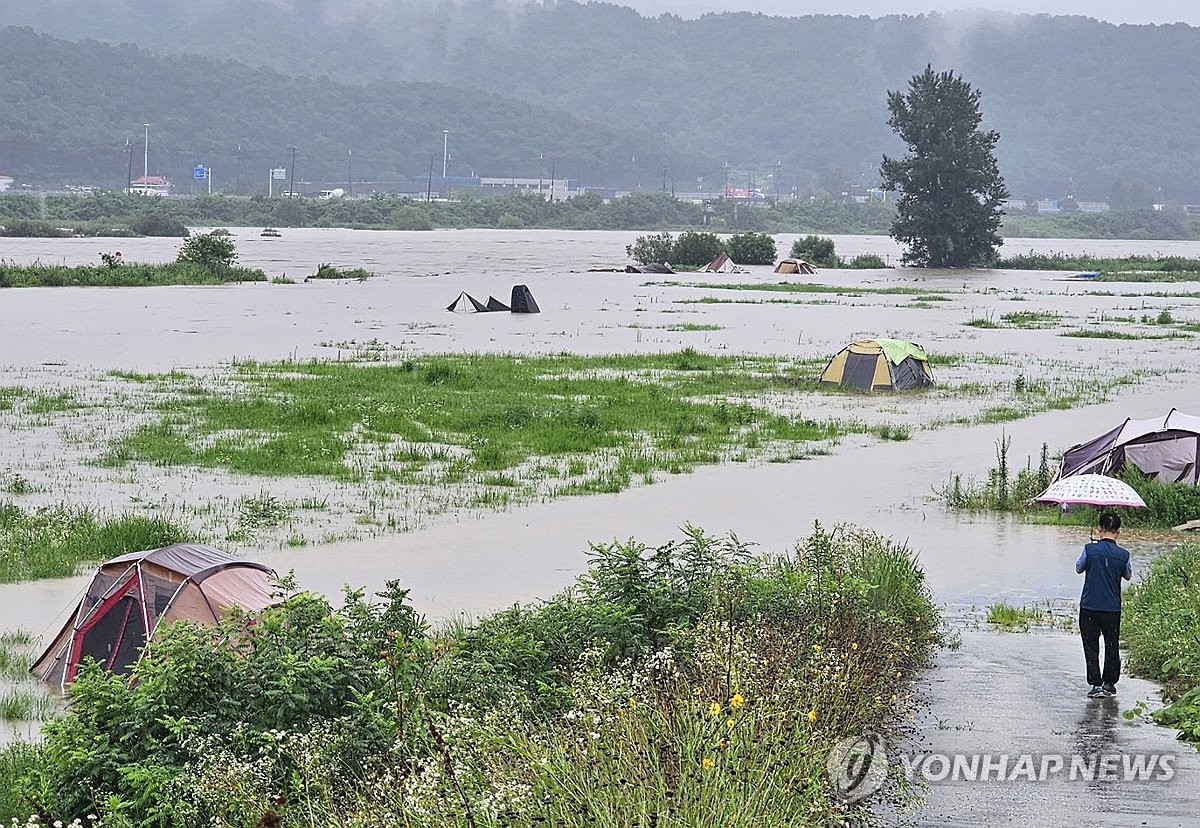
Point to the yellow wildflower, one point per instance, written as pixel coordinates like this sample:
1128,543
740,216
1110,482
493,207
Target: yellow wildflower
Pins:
707,763
854,646
737,700
812,715
714,709
633,704
816,648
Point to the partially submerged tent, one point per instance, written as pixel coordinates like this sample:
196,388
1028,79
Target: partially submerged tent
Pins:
722,264
494,304
1165,448
879,364
466,303
132,596
795,266
650,267
522,300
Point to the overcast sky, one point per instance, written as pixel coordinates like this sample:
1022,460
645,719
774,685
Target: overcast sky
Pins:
1115,11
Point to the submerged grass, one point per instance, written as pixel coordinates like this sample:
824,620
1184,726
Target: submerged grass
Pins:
445,418
126,275
52,541
813,287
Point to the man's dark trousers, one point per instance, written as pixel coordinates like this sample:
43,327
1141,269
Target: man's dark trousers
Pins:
1092,624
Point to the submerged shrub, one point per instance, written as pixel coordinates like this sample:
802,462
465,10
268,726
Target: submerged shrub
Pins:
751,248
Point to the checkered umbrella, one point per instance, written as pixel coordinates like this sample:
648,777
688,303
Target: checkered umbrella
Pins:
1093,489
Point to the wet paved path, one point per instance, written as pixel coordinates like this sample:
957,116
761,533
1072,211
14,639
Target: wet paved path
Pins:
1019,693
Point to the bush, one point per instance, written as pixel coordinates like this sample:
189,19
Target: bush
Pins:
695,249
679,668
751,248
866,261
159,224
328,271
654,248
411,217
33,229
208,250
817,250
509,221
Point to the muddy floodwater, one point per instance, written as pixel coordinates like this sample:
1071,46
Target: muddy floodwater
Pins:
475,561
460,560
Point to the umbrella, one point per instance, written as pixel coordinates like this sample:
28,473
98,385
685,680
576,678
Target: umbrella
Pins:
1092,489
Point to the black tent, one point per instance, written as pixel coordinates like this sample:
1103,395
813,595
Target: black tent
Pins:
466,303
494,304
522,300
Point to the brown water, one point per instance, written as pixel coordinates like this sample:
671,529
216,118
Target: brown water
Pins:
474,562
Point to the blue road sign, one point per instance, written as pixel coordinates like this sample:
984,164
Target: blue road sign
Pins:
200,172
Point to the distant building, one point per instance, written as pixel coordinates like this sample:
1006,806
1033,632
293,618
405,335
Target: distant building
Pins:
1048,205
5,182
1092,206
1013,204
155,185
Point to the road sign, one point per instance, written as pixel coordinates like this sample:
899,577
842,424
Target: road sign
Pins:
279,173
201,172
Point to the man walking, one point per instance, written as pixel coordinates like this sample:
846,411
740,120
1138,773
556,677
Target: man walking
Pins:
1103,564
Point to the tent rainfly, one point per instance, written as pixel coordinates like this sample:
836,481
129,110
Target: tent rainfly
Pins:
795,266
466,303
722,264
879,364
1165,448
131,597
522,300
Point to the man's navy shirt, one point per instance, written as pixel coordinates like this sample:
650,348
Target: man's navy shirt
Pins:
1105,564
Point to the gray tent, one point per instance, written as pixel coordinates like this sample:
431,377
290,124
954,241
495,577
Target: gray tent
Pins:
522,300
1165,448
132,596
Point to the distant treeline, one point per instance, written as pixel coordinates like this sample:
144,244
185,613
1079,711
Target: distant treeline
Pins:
105,213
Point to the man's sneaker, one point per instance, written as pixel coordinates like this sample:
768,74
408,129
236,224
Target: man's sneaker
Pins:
1109,689
1098,692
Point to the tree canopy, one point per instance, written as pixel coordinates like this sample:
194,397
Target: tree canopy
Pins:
948,214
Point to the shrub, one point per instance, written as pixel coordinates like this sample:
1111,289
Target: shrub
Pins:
653,248
210,251
328,271
695,249
866,261
817,250
159,224
751,248
411,217
32,228
509,221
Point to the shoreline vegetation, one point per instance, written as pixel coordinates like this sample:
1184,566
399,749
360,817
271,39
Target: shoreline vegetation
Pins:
108,213
712,682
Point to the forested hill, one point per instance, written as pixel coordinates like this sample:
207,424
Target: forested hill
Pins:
1101,108
69,108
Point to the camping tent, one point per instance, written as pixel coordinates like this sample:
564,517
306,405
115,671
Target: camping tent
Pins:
887,364
650,267
722,264
133,595
494,304
1166,448
795,266
466,303
522,300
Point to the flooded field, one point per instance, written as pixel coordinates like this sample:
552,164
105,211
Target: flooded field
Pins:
459,558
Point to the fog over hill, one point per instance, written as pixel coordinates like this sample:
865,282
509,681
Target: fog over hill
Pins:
1099,110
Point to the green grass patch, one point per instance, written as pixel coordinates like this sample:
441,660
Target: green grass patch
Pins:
1007,617
1160,616
809,287
53,541
328,271
693,326
351,422
125,275
1138,268
1031,319
1109,333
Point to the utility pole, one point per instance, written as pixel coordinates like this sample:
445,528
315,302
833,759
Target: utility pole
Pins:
664,187
129,166
445,151
292,182
429,186
350,172
146,156
552,174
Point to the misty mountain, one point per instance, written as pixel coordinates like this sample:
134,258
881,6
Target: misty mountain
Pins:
70,109
1081,105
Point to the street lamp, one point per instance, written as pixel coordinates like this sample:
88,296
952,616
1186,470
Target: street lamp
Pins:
445,151
146,156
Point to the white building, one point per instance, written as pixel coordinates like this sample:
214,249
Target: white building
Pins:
5,182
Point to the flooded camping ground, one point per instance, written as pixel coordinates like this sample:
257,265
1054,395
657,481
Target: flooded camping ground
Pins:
171,401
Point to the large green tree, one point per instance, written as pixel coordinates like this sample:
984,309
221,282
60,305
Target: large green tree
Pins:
948,214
